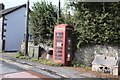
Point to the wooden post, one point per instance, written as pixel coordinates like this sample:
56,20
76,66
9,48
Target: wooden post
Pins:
27,29
59,12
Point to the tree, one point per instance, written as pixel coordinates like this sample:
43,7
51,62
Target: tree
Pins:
96,23
43,17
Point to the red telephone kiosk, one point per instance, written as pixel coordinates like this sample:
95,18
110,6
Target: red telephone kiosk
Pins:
62,44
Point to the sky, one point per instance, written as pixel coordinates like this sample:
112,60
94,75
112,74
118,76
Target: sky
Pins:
12,3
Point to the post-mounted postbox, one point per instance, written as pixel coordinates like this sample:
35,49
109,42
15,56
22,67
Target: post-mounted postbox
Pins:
62,44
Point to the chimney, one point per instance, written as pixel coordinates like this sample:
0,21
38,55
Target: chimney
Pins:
1,6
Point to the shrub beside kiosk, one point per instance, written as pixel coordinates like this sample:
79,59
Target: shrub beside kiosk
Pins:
62,52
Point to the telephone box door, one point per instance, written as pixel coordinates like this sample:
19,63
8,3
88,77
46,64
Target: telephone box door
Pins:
62,43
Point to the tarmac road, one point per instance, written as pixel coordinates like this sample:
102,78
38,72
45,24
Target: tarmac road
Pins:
9,70
27,66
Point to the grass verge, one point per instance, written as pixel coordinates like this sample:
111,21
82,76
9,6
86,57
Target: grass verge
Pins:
41,60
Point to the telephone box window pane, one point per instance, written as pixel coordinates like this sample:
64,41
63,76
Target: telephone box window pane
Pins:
60,58
58,47
58,54
58,51
59,37
59,34
59,40
59,44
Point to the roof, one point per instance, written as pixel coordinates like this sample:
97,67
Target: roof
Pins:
105,60
64,26
9,10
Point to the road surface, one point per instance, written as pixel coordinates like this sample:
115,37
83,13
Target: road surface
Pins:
9,70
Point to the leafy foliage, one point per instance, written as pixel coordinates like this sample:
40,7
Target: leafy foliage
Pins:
96,23
43,17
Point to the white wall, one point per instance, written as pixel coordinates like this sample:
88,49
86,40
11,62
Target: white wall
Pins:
15,29
1,27
1,33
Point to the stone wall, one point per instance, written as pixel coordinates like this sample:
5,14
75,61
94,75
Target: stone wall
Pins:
85,55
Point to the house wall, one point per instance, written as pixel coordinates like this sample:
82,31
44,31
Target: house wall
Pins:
1,21
15,29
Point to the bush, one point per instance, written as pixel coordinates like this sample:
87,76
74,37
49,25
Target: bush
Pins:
46,62
87,68
24,57
18,55
34,60
76,64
